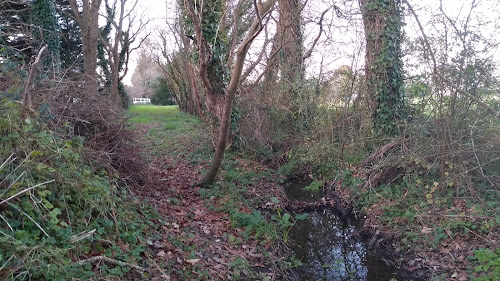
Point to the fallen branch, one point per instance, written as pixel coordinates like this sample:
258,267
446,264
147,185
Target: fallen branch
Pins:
29,84
111,261
379,152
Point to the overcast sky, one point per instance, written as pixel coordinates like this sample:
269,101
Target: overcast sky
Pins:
346,49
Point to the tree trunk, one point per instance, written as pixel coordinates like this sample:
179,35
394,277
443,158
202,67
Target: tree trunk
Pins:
114,56
88,19
196,93
89,50
210,39
289,37
383,65
231,92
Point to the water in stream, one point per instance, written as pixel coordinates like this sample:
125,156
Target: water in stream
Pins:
324,245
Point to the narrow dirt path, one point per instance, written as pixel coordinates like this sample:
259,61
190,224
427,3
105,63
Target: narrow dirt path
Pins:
199,240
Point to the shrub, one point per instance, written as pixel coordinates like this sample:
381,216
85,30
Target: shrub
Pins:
57,204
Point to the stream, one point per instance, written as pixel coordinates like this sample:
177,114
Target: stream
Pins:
324,245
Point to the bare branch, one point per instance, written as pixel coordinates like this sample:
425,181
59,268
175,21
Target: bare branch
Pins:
76,15
441,76
308,53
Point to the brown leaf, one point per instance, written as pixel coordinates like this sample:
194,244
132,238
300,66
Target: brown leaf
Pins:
124,246
162,254
426,230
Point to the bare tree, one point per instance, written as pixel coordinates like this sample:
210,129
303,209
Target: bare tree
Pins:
440,75
179,72
127,29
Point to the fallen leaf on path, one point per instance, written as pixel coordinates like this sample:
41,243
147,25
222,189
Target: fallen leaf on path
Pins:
426,230
162,254
193,261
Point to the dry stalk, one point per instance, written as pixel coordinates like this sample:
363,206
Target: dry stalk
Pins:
24,191
29,84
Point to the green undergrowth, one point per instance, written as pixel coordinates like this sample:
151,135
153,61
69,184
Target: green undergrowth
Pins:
59,207
428,205
427,215
486,264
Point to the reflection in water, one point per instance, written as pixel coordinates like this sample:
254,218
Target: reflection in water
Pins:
324,245
295,190
327,252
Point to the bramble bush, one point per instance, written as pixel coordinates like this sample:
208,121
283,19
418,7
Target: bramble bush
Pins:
57,206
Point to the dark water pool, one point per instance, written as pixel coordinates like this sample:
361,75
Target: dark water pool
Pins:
324,245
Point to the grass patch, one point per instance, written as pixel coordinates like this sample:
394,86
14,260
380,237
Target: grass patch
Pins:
141,114
172,131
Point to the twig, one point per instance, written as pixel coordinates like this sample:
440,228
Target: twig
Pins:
7,161
167,277
308,53
10,227
111,261
15,169
456,216
480,236
16,180
13,182
7,235
82,235
380,152
3,266
31,219
475,155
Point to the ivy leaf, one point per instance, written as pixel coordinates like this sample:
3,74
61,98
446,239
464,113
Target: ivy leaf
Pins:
301,217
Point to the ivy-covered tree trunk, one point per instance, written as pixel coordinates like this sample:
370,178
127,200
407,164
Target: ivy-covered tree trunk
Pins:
211,40
88,19
289,40
285,75
383,65
46,31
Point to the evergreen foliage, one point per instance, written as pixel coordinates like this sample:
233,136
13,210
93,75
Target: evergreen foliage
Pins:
384,67
161,92
47,32
71,41
14,38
